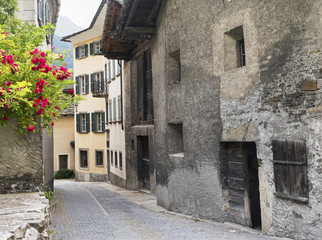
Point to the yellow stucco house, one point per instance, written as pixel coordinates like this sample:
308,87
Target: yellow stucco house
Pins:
99,138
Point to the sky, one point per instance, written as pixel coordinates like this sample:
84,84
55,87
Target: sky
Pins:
80,12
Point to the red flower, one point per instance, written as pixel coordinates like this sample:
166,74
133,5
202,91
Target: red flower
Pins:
52,124
43,54
30,128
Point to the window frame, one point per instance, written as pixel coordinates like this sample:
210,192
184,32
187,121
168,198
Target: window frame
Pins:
82,123
82,84
114,110
80,159
120,160
119,108
82,81
115,159
110,111
96,154
81,51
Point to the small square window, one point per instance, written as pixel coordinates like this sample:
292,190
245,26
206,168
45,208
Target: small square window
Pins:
174,65
234,47
99,157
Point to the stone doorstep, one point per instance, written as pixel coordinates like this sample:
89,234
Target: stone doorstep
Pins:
23,215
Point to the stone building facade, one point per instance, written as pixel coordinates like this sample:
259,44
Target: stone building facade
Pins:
138,119
237,107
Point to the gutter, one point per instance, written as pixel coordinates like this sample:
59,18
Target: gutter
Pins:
119,62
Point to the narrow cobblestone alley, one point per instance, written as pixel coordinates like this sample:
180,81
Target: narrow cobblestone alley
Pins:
87,211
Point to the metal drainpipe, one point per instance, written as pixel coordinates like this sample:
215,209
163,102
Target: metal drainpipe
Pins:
119,62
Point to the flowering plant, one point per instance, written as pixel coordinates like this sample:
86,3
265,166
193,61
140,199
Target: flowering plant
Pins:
31,80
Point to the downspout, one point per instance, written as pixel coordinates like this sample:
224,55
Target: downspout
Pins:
119,62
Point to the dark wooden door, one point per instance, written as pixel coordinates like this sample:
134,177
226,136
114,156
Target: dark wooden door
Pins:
63,161
241,174
144,162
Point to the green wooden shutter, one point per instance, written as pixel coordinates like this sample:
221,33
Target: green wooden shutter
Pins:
93,123
110,111
119,108
42,11
114,110
39,10
91,48
87,84
87,123
92,82
77,85
77,123
113,68
101,46
109,70
47,12
77,52
102,82
86,50
103,121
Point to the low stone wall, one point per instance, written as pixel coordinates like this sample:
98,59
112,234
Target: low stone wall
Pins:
24,216
90,177
21,160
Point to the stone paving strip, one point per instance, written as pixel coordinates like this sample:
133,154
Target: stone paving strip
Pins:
102,211
24,216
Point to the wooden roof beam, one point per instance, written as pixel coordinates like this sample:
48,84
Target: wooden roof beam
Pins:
131,14
152,13
144,30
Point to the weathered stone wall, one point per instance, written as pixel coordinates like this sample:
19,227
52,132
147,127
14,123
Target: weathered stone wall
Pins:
280,99
48,159
21,160
276,96
24,216
187,118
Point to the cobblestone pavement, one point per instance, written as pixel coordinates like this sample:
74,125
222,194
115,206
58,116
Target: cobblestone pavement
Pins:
97,211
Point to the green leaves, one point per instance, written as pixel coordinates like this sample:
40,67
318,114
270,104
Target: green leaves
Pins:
31,80
7,10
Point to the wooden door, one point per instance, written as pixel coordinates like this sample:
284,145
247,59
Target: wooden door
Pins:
63,161
144,162
241,179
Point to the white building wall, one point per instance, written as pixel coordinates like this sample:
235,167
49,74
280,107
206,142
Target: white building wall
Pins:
116,133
